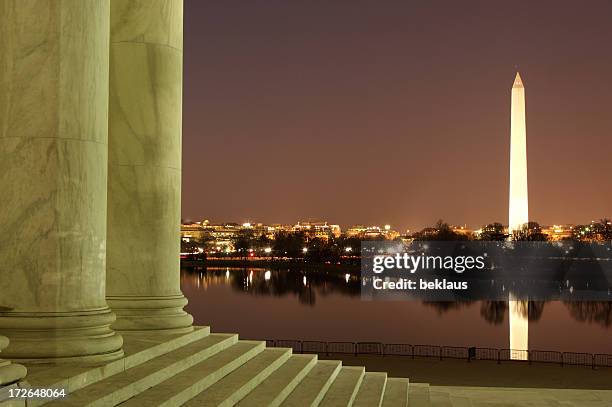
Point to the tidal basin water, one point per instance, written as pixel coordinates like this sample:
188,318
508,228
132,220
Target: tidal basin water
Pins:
290,304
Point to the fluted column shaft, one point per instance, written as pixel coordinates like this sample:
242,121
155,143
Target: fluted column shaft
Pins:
144,188
53,174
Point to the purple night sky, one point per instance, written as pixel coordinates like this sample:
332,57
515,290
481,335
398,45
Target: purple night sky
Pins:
394,112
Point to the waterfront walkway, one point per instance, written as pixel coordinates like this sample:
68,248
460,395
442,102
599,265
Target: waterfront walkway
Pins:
453,372
481,383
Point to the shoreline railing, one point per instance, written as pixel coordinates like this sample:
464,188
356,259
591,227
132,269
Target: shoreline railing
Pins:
499,355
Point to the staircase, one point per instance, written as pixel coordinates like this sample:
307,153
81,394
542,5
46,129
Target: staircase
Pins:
204,369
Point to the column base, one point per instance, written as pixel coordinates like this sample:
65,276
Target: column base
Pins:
146,313
61,337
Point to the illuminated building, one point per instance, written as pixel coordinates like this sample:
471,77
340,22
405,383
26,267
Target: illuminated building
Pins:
462,230
372,232
558,232
317,230
356,231
191,231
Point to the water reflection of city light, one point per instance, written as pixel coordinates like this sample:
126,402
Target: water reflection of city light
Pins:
346,277
267,275
227,274
317,289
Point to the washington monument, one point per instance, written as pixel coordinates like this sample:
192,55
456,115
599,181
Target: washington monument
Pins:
518,213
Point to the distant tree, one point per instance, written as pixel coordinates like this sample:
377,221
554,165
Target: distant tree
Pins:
189,246
289,244
440,232
193,248
603,230
597,231
581,233
493,232
243,241
531,232
206,241
321,251
349,245
262,242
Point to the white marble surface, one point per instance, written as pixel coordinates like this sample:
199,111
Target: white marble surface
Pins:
148,21
53,156
144,186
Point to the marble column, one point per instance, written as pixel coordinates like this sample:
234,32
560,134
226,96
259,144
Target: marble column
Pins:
53,175
144,168
9,372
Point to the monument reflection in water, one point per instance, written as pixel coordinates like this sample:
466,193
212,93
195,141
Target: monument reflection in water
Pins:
519,328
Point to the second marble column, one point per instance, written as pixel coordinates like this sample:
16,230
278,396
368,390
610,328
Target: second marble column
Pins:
144,170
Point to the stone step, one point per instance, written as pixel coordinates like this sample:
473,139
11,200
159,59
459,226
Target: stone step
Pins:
6,401
182,387
371,391
272,391
520,397
343,390
121,386
461,401
236,385
138,350
418,395
396,393
311,390
13,403
440,398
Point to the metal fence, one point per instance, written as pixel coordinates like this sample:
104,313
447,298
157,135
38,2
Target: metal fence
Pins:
445,352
